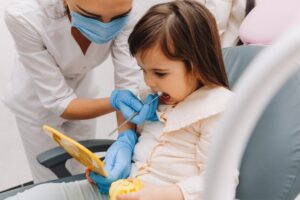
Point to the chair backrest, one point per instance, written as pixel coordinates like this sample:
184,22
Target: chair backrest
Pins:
271,163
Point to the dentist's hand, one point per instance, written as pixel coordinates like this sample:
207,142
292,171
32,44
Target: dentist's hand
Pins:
117,161
128,104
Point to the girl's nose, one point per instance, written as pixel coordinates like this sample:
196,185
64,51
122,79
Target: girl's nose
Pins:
149,81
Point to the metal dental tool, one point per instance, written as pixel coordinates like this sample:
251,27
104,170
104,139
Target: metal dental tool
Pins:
132,116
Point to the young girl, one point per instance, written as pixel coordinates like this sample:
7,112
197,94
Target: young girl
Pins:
177,46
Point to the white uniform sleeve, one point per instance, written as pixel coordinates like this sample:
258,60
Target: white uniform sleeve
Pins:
221,10
127,72
49,83
229,14
192,188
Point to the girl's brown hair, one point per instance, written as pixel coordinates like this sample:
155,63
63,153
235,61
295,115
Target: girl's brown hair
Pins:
186,31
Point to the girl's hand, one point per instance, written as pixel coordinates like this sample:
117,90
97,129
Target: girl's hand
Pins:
87,175
150,192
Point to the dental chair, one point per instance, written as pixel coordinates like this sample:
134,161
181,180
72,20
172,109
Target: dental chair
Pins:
271,163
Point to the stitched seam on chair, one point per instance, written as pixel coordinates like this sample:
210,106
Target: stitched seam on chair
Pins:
293,183
297,162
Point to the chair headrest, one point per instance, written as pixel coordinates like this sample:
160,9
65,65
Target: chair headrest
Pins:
271,162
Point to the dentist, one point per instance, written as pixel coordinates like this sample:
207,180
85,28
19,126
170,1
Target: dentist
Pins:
58,44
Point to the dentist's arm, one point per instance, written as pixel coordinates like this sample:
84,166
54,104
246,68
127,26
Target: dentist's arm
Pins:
81,108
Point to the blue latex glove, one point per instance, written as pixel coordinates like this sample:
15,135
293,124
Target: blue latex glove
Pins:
128,104
148,111
117,161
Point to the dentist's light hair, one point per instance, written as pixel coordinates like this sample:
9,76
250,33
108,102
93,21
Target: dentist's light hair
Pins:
185,31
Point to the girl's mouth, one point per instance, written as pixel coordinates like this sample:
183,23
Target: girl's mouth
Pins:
166,98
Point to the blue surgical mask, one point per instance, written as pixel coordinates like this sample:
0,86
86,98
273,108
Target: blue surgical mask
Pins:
96,31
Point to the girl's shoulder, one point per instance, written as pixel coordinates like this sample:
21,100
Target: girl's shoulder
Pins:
208,98
201,104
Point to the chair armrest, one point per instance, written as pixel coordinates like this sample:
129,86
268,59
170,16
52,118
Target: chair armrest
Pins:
56,158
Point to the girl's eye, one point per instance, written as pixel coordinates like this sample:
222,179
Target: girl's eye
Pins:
159,74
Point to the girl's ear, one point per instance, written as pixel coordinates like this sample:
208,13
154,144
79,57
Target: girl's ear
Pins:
194,75
193,80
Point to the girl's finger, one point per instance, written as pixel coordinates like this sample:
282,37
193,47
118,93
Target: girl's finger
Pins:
87,175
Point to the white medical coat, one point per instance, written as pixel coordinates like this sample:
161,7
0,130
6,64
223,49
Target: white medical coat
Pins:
50,69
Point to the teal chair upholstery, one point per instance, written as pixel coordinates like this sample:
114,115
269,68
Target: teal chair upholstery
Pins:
271,163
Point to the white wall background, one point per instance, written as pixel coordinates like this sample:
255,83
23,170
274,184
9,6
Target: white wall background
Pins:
12,158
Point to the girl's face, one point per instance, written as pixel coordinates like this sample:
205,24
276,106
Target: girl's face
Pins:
167,76
102,10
